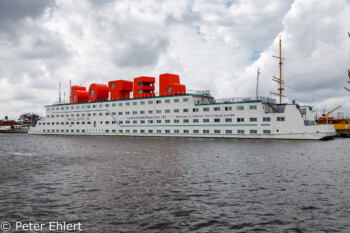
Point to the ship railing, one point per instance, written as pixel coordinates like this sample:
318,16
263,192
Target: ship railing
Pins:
152,94
245,99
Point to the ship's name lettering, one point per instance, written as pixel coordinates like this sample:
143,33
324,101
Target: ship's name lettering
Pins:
78,119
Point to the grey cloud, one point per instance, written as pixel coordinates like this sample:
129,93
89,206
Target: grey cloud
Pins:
98,3
13,10
141,53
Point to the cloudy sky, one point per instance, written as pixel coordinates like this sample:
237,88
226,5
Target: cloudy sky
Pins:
214,45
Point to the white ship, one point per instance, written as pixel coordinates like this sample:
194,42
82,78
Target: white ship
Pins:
175,112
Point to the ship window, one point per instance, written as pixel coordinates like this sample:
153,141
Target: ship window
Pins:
176,110
228,108
72,130
142,122
67,130
39,123
176,100
150,102
127,113
142,112
107,122
252,107
142,102
240,131
128,130
43,123
150,121
120,113
89,122
83,106
158,101
83,114
150,111
217,109
206,130
127,103
185,109
195,120
159,121
120,122
186,121
101,122
217,120
167,121
167,131
107,130
176,131
83,130
134,122
67,123
67,107
78,123
167,110
100,114
88,106
77,130
167,101
266,119
107,113
134,131
94,106
185,99
62,108
195,131
113,105
120,104
228,131
83,122
253,131
114,122
228,119
48,123
186,131
114,113
253,119
142,131
240,107
240,119
134,112
195,110
159,131
77,107
176,121
280,118
206,120
217,131
158,111
57,116
266,131
134,103
106,105
77,115
150,131
62,131
206,109
94,114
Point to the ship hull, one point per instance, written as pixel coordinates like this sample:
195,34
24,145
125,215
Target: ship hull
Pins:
183,116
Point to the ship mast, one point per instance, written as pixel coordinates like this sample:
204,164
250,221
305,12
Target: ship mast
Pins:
257,84
348,71
279,80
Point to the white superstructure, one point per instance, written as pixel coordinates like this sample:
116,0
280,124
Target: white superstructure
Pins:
188,115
